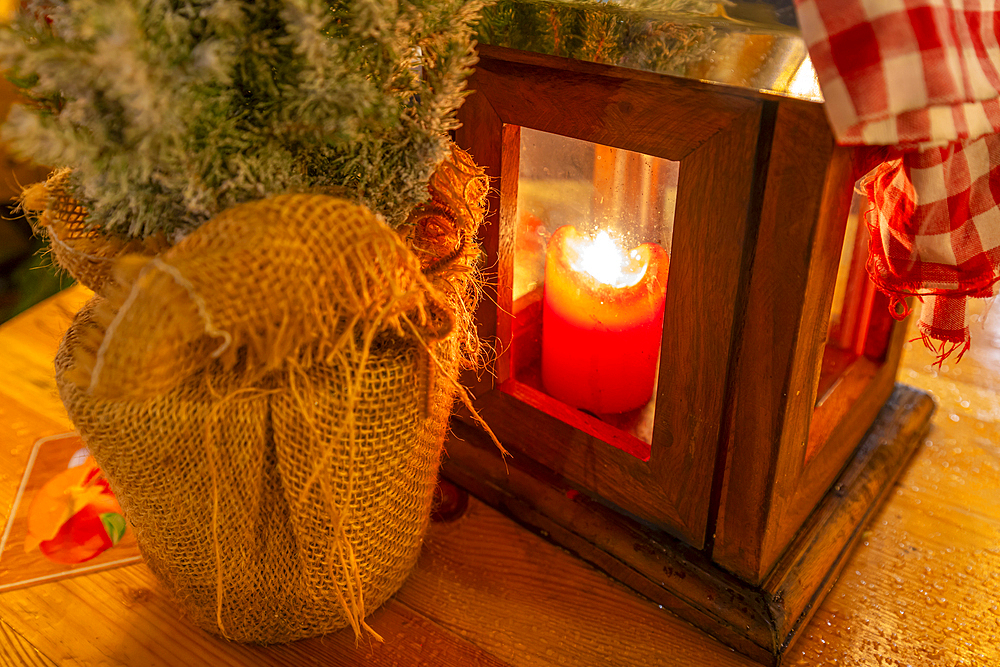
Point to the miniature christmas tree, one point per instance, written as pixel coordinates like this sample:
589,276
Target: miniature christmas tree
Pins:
170,112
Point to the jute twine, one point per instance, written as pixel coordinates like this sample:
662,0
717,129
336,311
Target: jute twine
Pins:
269,399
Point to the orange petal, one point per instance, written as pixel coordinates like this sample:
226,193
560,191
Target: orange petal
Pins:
55,502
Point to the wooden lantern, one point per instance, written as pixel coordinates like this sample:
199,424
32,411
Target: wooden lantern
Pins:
774,435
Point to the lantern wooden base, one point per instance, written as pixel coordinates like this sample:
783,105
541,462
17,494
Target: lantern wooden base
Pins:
760,622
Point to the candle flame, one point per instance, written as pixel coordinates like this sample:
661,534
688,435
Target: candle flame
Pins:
602,257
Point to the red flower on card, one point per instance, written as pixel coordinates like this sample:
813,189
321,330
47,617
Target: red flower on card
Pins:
75,517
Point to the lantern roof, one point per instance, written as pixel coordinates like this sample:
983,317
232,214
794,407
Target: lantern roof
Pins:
750,45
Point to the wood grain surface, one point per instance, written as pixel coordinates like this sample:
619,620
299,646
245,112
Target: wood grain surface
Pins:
14,650
613,106
921,589
668,572
820,549
790,290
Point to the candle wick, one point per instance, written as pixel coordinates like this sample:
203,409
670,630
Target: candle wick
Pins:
603,259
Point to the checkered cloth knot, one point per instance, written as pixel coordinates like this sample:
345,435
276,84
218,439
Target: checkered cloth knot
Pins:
923,78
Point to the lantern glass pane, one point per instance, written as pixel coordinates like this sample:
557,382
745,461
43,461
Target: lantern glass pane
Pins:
591,257
857,333
843,315
849,327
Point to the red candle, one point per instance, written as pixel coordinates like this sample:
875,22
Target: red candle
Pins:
602,320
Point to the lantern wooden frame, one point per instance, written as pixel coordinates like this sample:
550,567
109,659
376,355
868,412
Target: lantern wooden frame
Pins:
745,477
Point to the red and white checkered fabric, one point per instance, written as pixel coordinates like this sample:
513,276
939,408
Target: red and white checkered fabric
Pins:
905,71
935,230
922,76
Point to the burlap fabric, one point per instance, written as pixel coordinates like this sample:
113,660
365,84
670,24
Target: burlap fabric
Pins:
269,397
77,247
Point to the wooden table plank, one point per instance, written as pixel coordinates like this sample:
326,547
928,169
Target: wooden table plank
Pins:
482,582
921,589
14,650
29,342
124,617
30,407
531,603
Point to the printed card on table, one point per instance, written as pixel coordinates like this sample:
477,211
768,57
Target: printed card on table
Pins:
65,520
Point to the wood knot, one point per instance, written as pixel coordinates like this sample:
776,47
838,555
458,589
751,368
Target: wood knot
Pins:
136,596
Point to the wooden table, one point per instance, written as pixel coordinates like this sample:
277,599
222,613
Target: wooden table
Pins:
922,589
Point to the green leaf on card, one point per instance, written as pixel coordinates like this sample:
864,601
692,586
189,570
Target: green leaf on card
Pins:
114,524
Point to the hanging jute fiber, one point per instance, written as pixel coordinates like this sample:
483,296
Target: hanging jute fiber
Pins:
269,396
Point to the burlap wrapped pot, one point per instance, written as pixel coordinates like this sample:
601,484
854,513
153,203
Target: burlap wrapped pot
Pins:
269,397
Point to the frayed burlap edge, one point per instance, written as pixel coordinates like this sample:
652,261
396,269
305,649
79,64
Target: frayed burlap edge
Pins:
82,251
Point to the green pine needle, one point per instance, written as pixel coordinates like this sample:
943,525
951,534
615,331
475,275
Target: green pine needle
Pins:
170,111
